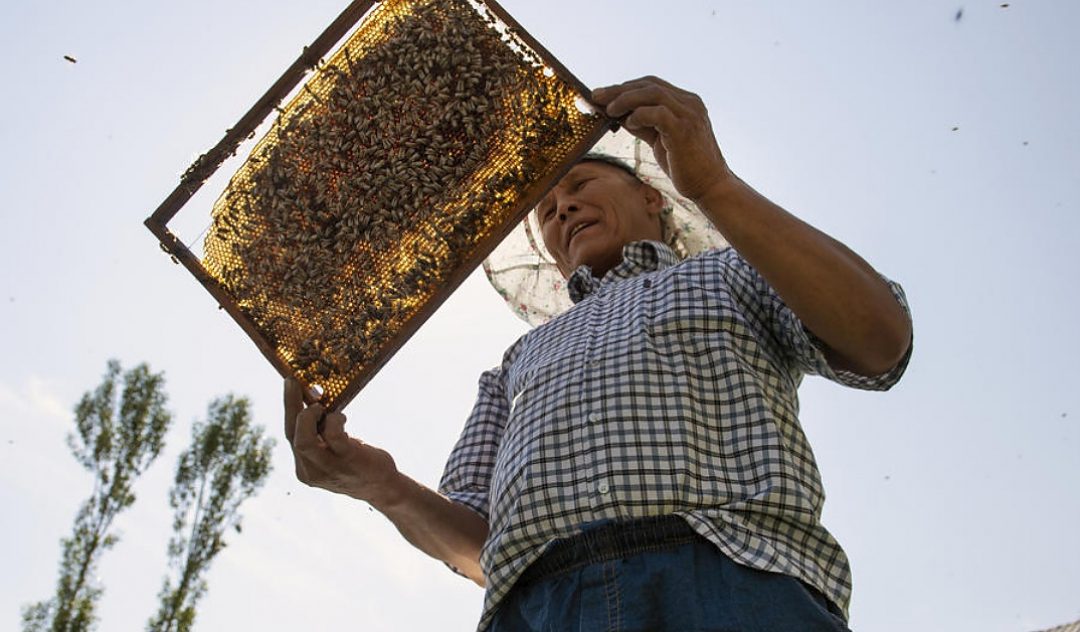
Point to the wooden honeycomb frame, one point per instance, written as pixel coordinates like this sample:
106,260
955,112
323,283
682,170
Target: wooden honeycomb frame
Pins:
407,156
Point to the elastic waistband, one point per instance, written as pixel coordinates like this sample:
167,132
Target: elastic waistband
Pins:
607,542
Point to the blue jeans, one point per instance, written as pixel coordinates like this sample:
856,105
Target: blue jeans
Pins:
657,575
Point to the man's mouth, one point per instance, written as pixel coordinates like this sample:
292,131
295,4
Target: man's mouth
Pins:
577,229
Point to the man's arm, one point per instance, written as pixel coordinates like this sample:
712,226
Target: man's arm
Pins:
835,293
436,525
333,460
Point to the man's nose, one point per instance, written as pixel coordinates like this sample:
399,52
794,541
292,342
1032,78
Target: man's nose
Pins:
565,208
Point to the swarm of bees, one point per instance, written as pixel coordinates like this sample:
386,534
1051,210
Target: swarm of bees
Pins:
405,150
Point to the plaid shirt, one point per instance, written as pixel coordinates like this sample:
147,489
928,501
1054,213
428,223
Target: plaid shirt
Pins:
669,388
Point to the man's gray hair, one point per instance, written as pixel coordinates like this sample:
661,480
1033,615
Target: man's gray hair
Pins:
611,160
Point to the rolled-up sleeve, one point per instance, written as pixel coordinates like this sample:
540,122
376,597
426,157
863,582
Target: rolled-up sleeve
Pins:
809,351
806,352
467,476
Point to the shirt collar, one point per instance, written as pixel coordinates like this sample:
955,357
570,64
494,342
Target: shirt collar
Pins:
639,257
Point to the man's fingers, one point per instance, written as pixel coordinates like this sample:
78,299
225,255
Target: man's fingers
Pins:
652,79
334,434
294,404
310,473
646,134
307,428
651,120
649,95
302,430
605,96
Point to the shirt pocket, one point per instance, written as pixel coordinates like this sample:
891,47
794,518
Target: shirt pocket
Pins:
684,314
705,324
557,342
721,376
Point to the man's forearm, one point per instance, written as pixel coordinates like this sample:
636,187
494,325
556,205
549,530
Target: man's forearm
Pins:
436,525
836,294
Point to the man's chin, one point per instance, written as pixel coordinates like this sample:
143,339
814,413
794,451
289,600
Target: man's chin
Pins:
598,260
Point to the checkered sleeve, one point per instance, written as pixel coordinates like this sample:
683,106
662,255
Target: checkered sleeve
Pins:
466,478
806,351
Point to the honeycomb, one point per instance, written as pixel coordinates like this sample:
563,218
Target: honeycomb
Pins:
403,159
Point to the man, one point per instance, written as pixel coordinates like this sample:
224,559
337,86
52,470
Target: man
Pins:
637,462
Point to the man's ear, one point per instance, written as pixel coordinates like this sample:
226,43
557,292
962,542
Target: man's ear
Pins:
654,200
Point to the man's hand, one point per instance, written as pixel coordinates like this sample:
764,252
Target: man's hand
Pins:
676,125
837,295
331,459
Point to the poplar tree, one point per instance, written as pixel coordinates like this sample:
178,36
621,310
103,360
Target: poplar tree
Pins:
227,462
118,435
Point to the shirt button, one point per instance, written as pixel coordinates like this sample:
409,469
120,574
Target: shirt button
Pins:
603,488
594,417
647,283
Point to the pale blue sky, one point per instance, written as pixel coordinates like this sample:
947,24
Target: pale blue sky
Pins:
955,494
